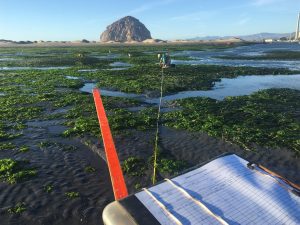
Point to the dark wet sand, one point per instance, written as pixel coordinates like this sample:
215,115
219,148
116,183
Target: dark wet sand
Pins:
65,171
199,147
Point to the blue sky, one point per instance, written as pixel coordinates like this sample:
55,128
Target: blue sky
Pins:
166,19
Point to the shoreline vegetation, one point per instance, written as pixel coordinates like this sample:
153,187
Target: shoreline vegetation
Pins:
48,127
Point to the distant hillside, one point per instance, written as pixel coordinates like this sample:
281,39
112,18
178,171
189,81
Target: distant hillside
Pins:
3,41
6,41
252,37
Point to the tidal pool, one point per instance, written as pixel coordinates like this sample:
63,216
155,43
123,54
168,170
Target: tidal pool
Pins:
108,56
34,68
88,87
8,59
88,70
292,65
242,85
211,57
120,64
72,78
118,68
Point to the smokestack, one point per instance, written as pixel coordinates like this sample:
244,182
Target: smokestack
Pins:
297,29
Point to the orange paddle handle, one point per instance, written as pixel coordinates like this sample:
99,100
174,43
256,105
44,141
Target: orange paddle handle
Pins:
116,175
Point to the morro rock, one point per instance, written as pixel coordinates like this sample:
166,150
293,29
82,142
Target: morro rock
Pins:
126,29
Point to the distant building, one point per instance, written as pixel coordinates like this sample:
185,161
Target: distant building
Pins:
297,33
269,40
283,39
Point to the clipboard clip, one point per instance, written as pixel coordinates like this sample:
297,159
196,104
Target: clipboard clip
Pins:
293,188
251,165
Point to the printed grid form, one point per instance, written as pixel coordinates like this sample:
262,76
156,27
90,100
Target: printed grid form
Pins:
230,190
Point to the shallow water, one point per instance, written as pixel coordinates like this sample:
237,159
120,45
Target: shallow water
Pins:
8,59
242,85
88,70
210,57
108,56
72,78
252,50
88,87
115,66
118,68
292,65
34,68
35,54
259,48
120,64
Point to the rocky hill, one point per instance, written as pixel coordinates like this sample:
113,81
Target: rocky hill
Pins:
127,29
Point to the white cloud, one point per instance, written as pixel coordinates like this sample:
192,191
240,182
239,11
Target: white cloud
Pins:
140,9
149,6
265,2
195,16
243,21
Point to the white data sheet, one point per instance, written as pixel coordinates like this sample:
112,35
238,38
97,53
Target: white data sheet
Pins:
230,190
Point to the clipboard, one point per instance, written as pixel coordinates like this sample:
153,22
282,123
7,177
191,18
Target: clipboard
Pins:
223,191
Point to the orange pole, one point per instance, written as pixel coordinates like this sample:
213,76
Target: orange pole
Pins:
116,175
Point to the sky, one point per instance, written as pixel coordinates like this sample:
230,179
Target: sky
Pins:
66,20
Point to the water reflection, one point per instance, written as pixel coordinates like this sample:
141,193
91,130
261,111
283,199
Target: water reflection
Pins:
34,68
211,57
242,85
